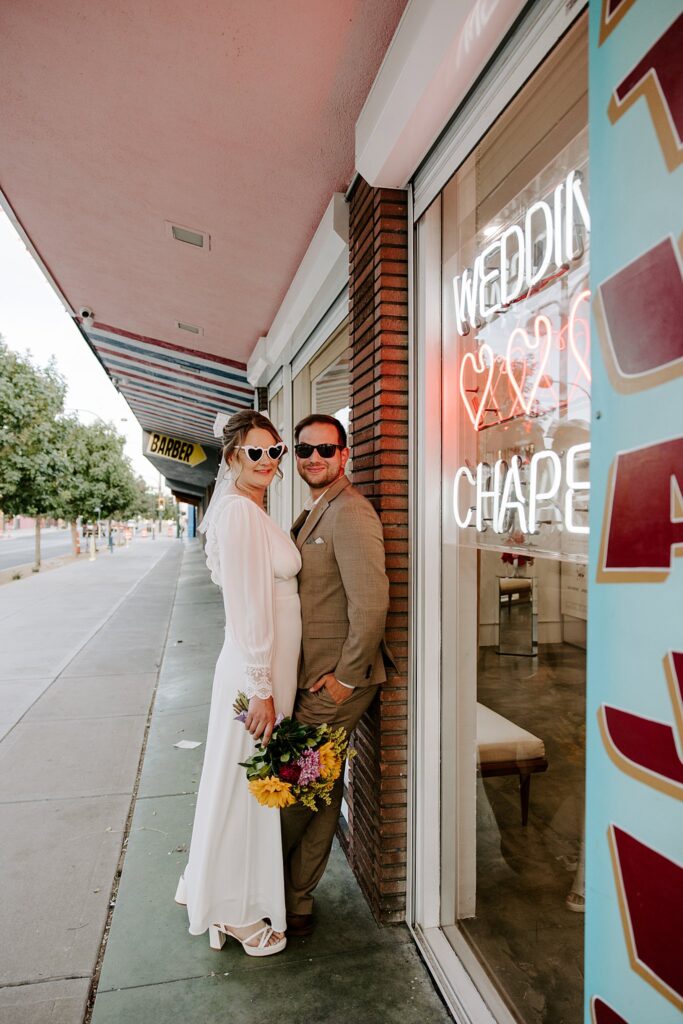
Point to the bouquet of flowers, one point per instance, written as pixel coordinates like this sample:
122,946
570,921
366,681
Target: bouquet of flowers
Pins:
300,764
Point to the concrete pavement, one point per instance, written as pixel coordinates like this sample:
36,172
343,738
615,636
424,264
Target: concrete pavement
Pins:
68,772
349,970
80,650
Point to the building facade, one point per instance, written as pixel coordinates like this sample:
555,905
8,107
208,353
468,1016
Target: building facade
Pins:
491,302
474,344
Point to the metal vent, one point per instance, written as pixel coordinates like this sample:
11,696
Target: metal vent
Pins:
185,235
190,236
189,327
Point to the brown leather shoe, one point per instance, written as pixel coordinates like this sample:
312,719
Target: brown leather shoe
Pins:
300,925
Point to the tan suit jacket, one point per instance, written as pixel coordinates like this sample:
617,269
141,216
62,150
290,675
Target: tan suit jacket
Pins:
343,588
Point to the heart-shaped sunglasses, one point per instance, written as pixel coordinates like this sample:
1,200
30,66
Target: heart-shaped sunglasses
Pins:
255,454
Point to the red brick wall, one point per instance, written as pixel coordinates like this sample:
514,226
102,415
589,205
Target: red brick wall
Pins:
376,840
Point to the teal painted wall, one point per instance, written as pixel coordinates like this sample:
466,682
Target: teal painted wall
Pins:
634,921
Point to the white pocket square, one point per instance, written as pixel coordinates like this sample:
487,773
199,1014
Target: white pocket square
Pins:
319,540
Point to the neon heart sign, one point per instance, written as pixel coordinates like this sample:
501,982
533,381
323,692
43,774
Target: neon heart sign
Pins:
498,388
481,369
542,343
582,358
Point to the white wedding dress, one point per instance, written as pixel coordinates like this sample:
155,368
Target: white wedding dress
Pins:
234,873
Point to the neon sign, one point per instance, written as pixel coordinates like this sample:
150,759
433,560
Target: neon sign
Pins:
508,385
512,497
522,259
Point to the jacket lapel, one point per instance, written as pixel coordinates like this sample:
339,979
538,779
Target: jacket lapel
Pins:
297,524
316,513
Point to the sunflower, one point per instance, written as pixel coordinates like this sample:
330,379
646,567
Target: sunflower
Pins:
330,762
272,792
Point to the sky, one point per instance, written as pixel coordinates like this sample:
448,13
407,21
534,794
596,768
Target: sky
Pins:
32,318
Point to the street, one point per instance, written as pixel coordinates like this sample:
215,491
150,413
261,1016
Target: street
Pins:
18,548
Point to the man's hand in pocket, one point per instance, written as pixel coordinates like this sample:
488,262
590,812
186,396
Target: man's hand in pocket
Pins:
333,687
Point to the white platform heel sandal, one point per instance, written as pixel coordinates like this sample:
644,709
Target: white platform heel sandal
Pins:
219,932
180,893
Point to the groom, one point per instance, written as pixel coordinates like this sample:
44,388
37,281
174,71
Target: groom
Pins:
344,593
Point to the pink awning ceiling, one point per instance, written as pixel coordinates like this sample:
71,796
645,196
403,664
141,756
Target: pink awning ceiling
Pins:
172,389
230,118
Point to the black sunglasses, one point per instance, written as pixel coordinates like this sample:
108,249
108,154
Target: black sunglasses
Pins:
275,452
304,451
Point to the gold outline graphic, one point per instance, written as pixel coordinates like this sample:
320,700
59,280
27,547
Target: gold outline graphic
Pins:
650,89
674,688
638,966
608,23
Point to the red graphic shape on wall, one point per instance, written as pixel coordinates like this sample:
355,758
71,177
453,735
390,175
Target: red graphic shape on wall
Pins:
650,892
639,312
658,77
643,521
612,13
602,1013
644,748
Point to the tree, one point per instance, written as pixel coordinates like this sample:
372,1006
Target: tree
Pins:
31,460
146,506
100,483
51,464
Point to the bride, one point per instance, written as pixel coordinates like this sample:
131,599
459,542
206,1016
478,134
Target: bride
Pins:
233,881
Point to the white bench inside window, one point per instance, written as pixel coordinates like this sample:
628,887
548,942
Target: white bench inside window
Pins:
504,748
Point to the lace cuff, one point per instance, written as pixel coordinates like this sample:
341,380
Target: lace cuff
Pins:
258,682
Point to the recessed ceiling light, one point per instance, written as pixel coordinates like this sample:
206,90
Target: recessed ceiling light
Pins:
189,327
190,236
185,235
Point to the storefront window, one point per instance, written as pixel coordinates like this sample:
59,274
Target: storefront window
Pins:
320,385
516,449
331,390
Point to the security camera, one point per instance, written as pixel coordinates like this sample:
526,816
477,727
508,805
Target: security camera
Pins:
86,313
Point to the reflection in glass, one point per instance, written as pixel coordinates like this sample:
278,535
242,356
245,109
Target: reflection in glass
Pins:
517,617
515,458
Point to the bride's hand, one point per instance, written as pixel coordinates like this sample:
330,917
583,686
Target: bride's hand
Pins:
261,718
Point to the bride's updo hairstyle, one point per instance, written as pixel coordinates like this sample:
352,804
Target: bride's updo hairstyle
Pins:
238,426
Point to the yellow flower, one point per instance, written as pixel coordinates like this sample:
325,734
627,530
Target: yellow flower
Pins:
272,792
330,763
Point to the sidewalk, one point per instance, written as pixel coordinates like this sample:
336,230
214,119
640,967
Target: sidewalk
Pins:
82,653
349,971
79,656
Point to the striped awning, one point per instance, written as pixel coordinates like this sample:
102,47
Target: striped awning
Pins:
171,389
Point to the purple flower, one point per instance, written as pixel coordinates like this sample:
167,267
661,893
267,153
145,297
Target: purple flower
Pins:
309,762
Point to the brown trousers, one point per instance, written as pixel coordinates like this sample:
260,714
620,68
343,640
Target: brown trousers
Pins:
307,835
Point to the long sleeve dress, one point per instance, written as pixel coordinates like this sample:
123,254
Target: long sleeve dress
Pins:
234,873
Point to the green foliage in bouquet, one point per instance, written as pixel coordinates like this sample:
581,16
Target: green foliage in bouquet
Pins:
299,764
288,742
